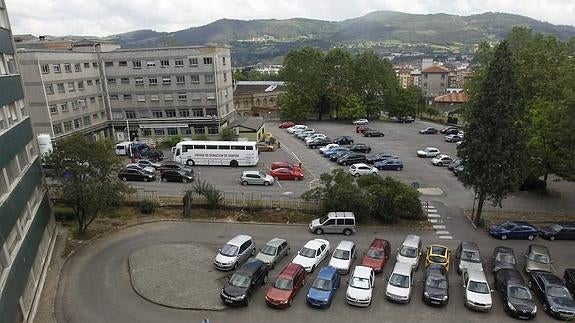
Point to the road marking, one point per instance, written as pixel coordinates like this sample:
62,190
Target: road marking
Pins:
446,237
433,220
279,184
438,226
433,216
442,232
431,211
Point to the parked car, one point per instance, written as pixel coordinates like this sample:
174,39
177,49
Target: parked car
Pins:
343,256
174,165
330,152
320,142
243,282
537,257
145,169
438,254
148,163
560,231
312,254
503,258
532,184
454,164
453,138
457,171
450,128
343,140
152,154
410,251
294,174
515,295
554,296
428,131
428,152
282,164
373,133
442,160
360,148
296,128
286,286
569,276
513,230
334,222
177,176
338,154
351,158
327,147
377,255
477,292
360,122
468,257
389,164
436,285
132,174
399,284
361,129
286,124
274,251
263,147
313,137
304,133
235,252
379,157
254,177
405,119
361,169
360,289
323,288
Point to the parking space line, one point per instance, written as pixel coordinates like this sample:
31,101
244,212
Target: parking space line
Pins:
432,211
438,226
433,216
445,237
442,232
433,220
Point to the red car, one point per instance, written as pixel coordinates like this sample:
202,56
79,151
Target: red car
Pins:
377,255
287,284
361,129
284,165
294,174
286,124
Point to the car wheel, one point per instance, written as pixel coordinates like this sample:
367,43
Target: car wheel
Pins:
290,301
312,269
244,183
288,251
530,237
164,179
145,179
347,232
253,252
190,162
318,231
398,168
545,307
266,183
265,280
551,238
235,265
184,180
504,237
124,178
234,163
529,284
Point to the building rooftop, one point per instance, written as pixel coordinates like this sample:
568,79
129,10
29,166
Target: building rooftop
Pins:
435,69
460,97
252,123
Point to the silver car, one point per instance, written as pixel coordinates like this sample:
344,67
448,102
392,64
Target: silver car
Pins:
273,251
256,178
537,257
468,257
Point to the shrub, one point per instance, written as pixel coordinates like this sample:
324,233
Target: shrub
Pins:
148,207
213,196
228,134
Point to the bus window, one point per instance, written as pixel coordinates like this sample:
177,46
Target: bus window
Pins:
199,146
249,148
211,147
224,147
187,147
238,148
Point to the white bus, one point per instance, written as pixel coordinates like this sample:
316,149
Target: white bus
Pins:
227,153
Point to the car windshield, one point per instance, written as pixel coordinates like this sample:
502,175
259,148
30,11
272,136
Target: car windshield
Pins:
399,280
557,291
539,258
437,259
436,282
307,252
556,227
508,225
358,282
505,257
478,287
283,283
240,280
269,250
470,256
519,292
322,284
229,250
323,219
375,253
341,254
408,252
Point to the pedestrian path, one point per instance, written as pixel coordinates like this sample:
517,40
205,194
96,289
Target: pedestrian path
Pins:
436,220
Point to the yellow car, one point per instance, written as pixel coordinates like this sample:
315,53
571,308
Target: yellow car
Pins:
438,254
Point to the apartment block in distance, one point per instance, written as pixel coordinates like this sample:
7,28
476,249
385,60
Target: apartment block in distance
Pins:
27,230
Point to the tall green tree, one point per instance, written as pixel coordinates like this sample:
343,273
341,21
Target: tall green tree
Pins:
494,150
87,172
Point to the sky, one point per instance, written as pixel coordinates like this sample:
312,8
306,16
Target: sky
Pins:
107,17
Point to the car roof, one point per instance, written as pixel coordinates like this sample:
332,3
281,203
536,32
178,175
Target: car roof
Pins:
548,278
431,148
245,172
275,242
512,275
250,266
345,245
290,270
436,270
378,243
535,248
402,268
326,272
239,239
315,243
340,215
362,271
476,275
361,165
411,240
469,245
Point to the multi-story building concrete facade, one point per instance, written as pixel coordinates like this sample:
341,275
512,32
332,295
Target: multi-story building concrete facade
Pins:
434,81
26,225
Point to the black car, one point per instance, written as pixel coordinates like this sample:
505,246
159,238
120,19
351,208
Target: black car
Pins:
436,285
153,154
517,299
428,131
532,184
453,165
177,176
559,231
405,119
351,158
132,174
373,133
360,148
242,283
569,277
451,128
173,165
337,155
503,257
343,140
553,294
379,157
319,142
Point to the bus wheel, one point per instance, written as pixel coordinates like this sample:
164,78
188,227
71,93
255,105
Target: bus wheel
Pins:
190,162
234,163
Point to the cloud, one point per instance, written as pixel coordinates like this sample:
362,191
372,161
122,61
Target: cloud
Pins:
105,17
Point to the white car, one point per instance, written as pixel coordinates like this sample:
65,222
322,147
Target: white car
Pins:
360,289
477,291
342,256
410,251
454,138
428,152
441,160
312,254
362,169
314,137
359,122
296,127
326,147
400,283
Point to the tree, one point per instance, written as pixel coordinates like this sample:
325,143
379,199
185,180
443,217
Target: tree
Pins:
494,150
351,108
87,172
228,134
405,103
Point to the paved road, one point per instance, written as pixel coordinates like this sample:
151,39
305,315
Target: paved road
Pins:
95,286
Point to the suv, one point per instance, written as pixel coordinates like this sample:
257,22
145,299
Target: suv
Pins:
343,140
334,222
257,178
468,257
235,252
242,283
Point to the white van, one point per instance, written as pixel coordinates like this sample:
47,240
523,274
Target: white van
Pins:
334,222
123,148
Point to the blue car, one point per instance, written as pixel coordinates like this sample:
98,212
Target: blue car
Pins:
513,230
334,150
389,164
323,288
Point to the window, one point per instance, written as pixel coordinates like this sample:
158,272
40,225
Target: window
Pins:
210,95
184,113
171,113
130,114
223,61
127,97
57,129
157,114
136,64
81,85
208,61
442,76
49,89
167,97
172,131
196,97
86,65
78,67
180,79
82,103
209,78
141,98
154,97
225,77
195,78
178,62
56,68
182,96
112,80
226,94
150,63
95,64
163,63
114,97
211,112
108,64
193,61
144,113
87,121
71,87
125,80
166,80
152,81
64,107
186,131
122,63
89,82
53,109
12,239
442,85
92,99
68,68
74,105
198,112
159,132
213,130
199,130
67,126
45,69
146,132
77,123
139,81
